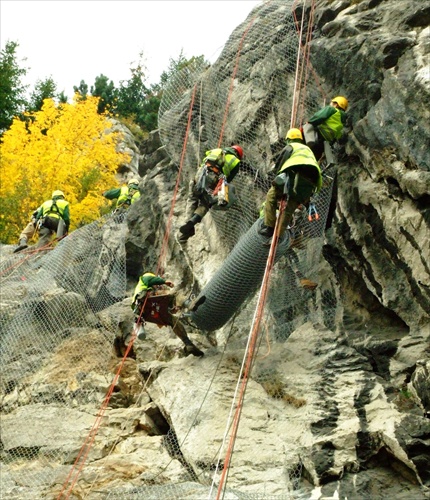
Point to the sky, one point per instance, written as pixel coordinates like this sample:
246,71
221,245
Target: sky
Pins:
74,40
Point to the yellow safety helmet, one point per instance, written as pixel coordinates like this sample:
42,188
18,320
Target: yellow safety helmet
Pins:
294,133
133,181
57,194
342,102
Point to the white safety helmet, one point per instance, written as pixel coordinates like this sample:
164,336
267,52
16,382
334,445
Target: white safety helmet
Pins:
57,194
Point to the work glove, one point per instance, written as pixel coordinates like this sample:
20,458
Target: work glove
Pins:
169,284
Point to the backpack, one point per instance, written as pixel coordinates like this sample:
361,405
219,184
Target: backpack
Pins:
310,135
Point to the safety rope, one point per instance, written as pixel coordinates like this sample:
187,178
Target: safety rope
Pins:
233,76
83,453
303,66
247,363
250,351
164,246
82,456
28,253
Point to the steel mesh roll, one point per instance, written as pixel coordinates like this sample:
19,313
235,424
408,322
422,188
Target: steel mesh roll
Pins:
238,278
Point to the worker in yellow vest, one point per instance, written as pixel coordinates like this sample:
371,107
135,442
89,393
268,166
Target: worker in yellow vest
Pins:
327,124
298,178
125,195
53,217
157,307
217,170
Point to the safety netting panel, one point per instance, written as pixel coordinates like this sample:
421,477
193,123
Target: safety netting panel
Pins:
56,351
261,85
52,387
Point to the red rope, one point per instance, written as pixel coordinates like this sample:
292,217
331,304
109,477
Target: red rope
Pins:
302,69
164,246
32,252
251,352
86,447
304,66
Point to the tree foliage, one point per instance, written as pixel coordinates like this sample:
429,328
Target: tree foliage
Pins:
104,89
12,90
69,147
43,89
132,93
182,66
82,90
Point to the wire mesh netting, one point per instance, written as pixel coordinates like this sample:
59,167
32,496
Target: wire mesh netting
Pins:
248,97
56,345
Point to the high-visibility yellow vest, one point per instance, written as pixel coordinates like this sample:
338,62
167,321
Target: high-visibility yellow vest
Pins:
332,128
54,208
126,197
302,155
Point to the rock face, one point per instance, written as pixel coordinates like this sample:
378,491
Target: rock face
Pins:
337,405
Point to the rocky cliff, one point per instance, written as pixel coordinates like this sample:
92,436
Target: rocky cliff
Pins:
337,407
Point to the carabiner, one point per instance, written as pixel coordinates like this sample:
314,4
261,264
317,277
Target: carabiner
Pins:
312,212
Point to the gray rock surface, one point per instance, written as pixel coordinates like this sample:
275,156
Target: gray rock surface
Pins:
334,408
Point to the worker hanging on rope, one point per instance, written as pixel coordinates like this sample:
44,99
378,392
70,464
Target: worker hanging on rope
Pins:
210,188
159,307
52,217
298,178
125,195
325,127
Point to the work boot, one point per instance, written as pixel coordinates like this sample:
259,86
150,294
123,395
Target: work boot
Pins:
187,230
266,231
190,348
141,334
22,245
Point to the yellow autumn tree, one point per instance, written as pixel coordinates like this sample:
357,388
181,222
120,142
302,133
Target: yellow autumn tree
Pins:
68,147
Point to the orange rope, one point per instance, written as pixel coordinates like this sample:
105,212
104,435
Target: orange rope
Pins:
86,447
233,76
303,68
164,246
250,354
32,252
